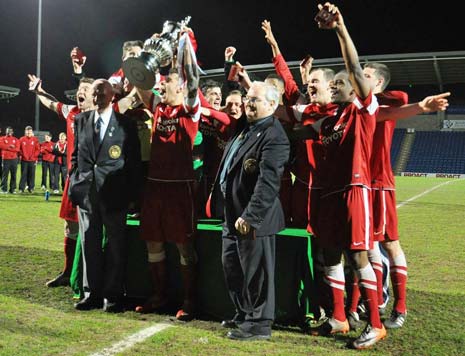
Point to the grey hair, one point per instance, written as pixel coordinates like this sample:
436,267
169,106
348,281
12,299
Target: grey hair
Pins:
271,93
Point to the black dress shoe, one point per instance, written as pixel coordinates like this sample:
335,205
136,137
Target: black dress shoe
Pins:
112,307
233,323
241,335
59,281
89,304
229,324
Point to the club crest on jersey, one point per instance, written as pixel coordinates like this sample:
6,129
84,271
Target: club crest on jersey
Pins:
250,165
114,151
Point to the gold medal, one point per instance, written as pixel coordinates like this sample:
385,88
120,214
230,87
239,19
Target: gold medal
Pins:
114,151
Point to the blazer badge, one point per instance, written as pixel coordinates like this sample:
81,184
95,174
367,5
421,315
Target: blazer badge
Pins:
250,165
114,151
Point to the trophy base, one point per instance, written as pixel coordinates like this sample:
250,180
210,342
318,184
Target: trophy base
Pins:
138,72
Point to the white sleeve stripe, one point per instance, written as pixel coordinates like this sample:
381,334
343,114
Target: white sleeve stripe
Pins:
66,109
371,108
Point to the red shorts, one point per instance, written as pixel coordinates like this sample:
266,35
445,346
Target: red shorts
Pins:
67,210
384,214
312,210
345,219
168,212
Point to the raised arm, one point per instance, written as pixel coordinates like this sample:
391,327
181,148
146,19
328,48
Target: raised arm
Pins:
305,66
48,100
291,89
191,71
78,59
269,36
229,61
244,79
349,52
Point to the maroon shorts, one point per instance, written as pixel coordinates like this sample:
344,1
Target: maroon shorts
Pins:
384,215
67,210
345,219
168,212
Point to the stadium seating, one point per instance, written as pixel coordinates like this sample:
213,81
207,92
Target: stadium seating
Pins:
396,143
437,152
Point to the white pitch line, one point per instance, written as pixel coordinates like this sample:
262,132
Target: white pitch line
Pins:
131,340
400,205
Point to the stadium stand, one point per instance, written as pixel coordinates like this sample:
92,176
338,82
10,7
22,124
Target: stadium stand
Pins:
396,143
437,152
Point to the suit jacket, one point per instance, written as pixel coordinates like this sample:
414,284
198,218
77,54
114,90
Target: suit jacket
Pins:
253,180
113,167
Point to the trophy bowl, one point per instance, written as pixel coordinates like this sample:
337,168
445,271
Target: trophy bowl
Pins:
157,52
139,70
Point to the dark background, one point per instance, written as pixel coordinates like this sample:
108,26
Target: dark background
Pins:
100,27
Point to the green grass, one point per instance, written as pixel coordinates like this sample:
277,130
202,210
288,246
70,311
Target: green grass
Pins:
35,320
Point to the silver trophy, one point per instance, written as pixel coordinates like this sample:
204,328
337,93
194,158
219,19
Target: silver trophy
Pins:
157,52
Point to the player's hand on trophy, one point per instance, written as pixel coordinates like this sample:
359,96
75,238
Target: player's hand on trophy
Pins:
185,29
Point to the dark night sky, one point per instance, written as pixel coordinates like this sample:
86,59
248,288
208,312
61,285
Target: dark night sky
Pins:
99,27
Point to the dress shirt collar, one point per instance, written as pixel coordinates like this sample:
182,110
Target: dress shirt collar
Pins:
105,115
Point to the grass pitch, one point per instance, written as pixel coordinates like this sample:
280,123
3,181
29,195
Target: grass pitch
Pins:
35,320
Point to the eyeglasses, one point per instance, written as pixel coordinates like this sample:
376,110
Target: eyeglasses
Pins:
246,100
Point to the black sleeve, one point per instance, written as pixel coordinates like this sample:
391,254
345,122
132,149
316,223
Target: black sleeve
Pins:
78,77
74,155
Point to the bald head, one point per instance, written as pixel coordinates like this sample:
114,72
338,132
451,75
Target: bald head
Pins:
102,94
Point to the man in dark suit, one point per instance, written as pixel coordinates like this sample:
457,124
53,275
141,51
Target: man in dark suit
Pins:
105,165
248,184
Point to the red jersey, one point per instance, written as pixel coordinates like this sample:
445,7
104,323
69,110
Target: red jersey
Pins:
29,148
46,150
308,115
347,140
214,129
291,90
68,112
173,134
9,145
381,170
